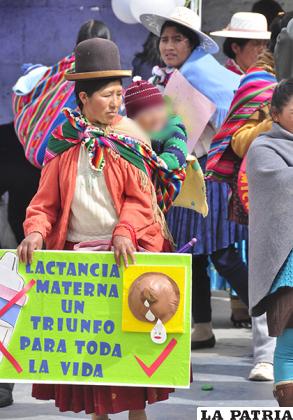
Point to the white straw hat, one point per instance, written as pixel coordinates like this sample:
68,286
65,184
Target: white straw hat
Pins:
185,17
246,25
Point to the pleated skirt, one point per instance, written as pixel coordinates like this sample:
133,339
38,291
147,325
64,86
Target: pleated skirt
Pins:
99,399
213,232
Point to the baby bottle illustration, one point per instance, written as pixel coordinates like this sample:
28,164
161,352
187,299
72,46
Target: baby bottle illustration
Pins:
10,284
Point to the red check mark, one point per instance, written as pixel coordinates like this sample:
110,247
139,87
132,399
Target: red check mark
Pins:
150,370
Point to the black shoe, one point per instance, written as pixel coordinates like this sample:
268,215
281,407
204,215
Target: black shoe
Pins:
6,395
205,344
241,323
6,401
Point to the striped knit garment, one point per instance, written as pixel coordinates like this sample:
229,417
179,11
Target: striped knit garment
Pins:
255,92
38,113
170,144
77,129
141,95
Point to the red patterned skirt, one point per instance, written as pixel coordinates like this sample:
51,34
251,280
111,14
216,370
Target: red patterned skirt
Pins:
99,399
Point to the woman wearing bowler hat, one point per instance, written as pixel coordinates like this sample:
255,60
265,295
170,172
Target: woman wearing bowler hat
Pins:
95,185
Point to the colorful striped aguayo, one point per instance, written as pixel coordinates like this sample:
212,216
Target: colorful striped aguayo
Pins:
39,112
255,92
76,129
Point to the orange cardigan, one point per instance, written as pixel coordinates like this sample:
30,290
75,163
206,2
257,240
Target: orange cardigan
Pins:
131,190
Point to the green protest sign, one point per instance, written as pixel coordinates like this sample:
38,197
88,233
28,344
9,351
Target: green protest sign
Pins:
74,317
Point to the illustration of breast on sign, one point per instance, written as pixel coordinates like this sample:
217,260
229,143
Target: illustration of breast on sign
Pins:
11,283
153,302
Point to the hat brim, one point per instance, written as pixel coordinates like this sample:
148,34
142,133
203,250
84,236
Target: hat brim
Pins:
225,33
105,74
154,24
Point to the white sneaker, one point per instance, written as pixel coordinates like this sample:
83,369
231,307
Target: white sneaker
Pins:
262,372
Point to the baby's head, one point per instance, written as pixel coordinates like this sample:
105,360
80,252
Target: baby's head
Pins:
144,103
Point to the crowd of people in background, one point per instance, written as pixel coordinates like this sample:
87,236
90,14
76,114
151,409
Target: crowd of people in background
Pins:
244,153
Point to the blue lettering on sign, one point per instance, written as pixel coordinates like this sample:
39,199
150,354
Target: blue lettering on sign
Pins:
61,348
115,271
55,288
24,342
85,325
79,344
89,289
48,345
62,268
113,291
102,289
71,269
69,306
67,286
105,349
109,327
82,269
28,269
98,326
117,351
36,345
49,267
65,367
40,268
48,323
77,288
70,324
93,270
43,368
35,320
102,348
83,369
43,286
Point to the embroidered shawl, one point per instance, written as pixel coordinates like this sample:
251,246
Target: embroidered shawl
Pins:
76,129
39,112
255,92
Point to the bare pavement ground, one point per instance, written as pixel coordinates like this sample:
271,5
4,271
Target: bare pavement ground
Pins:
226,368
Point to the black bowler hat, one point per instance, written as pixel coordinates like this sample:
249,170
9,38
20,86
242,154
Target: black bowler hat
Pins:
97,58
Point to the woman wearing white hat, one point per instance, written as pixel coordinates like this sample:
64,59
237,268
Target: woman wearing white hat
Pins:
249,116
246,36
185,47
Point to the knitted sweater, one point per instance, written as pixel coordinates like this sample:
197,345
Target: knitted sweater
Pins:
171,143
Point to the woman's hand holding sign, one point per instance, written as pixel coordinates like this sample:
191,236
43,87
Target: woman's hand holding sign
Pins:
31,243
123,247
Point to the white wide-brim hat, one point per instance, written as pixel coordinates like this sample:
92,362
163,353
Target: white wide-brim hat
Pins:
185,17
246,25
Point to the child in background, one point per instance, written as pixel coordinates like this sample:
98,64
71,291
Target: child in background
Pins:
145,104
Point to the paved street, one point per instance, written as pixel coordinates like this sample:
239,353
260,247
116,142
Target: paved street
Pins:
225,367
